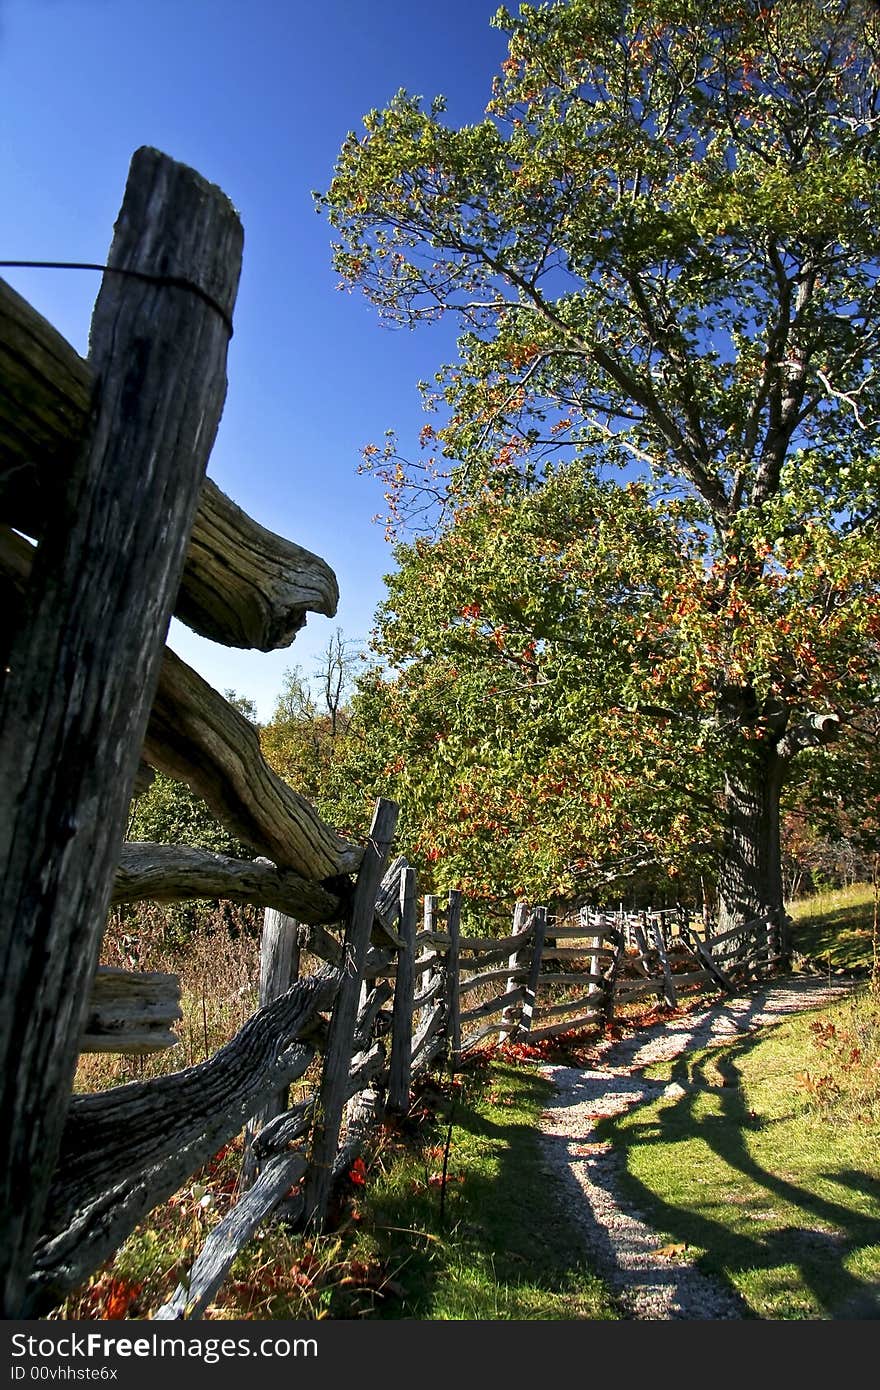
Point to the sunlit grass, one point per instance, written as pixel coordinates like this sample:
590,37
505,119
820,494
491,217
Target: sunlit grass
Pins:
837,929
767,1165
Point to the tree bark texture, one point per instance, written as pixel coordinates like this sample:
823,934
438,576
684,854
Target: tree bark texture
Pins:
750,873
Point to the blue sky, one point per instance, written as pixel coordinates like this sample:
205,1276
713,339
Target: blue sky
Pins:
258,97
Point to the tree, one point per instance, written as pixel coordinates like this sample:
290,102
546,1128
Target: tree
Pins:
660,246
312,740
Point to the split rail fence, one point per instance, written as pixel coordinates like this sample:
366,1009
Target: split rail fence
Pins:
109,527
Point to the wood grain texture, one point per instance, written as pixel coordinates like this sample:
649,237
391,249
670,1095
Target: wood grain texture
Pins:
337,1059
279,969
241,584
127,1149
131,1012
83,665
169,873
197,736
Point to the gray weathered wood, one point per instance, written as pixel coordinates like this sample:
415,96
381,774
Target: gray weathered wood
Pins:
429,930
473,1039
585,1001
169,873
638,989
388,897
494,1006
530,989
644,959
197,736
372,1004
519,962
400,1064
573,978
477,945
131,1011
574,933
430,1026
611,980
241,585
321,943
294,1123
279,969
451,969
433,938
325,1135
125,1150
488,977
704,954
734,933
577,953
229,1237
83,668
669,991
435,988
244,586
570,1025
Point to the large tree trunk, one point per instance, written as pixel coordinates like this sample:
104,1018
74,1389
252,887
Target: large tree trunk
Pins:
750,874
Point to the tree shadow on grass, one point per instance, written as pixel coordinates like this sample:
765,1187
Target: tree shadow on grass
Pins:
817,1241
503,1237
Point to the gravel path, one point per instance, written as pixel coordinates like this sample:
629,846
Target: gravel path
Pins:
624,1250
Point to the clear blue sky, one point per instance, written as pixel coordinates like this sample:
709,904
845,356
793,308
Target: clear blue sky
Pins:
258,97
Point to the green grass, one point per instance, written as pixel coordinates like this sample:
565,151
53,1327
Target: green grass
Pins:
766,1166
836,929
501,1248
495,1247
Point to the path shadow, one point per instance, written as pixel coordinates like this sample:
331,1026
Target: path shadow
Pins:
818,1254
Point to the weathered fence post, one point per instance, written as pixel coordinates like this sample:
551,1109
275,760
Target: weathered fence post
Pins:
451,983
539,921
340,1039
519,960
279,969
400,1066
669,991
83,669
611,976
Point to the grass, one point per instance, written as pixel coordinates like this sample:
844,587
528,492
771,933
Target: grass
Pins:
765,1163
836,930
765,1166
490,1244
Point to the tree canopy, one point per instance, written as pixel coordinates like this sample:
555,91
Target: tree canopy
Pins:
660,249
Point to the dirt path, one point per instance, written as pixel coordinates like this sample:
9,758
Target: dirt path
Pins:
622,1247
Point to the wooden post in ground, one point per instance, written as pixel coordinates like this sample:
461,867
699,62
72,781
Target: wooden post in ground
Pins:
340,1038
611,976
83,669
451,998
519,960
669,991
279,969
539,919
400,1066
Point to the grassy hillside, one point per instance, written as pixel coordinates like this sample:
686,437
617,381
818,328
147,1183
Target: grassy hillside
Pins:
837,929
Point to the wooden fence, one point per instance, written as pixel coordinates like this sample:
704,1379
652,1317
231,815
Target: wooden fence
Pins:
109,527
426,995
